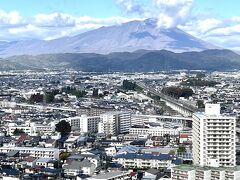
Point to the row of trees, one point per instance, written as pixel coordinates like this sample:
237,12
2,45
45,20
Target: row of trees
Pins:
128,85
178,92
48,97
199,82
74,91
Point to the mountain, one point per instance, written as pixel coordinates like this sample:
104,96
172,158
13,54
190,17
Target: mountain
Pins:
127,37
138,61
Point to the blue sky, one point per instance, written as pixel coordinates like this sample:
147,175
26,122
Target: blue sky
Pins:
215,21
107,8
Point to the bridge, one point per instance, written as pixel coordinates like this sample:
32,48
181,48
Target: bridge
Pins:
45,107
182,107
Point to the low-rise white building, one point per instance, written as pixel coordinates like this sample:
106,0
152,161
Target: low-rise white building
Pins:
154,131
190,172
36,152
146,161
31,128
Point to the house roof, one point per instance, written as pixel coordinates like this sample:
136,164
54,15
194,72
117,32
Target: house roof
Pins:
78,164
128,149
22,137
161,157
12,153
29,159
183,135
13,172
44,160
50,141
77,157
109,175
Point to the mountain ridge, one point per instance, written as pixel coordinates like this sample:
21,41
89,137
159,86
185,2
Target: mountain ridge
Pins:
127,37
137,61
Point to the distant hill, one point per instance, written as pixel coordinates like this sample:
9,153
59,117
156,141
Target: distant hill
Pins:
127,37
138,61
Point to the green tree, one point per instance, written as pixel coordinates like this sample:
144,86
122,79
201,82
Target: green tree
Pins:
200,104
200,75
181,149
36,98
177,92
128,85
63,127
172,152
49,96
79,93
63,156
17,132
95,93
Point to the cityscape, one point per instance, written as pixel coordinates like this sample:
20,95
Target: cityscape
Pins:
119,90
165,125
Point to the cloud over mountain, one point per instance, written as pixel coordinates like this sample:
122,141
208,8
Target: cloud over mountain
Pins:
170,13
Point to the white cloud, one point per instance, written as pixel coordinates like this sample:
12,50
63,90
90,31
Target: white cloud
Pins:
54,20
170,13
221,32
10,19
132,7
173,12
49,26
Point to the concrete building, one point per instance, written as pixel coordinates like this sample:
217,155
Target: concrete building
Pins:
89,124
115,122
85,123
214,137
146,161
92,111
113,175
31,128
190,172
154,131
36,152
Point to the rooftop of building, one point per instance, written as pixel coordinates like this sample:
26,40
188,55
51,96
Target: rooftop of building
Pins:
203,115
190,167
110,175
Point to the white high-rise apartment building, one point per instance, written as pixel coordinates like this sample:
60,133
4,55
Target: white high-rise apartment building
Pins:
115,122
214,138
89,123
85,123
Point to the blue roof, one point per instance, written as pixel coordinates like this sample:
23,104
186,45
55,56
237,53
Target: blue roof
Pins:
13,172
165,157
51,170
129,149
177,161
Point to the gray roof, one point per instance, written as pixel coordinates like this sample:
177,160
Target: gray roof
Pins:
78,164
153,171
12,153
109,175
77,157
128,149
44,160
